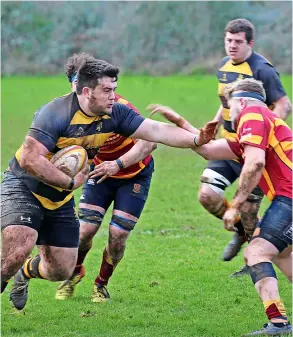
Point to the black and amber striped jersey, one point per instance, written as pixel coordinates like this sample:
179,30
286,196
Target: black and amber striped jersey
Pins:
117,145
256,66
62,123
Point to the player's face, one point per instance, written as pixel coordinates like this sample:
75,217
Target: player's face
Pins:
236,46
101,99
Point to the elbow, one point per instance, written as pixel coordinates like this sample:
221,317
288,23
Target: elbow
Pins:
153,146
26,162
259,165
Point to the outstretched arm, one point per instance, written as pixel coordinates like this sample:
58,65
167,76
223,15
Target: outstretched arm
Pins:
216,150
164,133
209,149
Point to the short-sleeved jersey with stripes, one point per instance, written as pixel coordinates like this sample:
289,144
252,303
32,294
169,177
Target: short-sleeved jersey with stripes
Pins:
258,126
256,66
117,145
62,123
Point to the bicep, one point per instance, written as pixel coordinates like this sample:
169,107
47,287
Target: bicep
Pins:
147,130
254,154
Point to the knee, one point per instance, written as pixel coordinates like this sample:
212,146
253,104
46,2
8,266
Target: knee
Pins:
87,232
60,274
208,198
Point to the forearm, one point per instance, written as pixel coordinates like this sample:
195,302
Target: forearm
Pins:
137,153
41,168
184,124
215,150
219,115
249,178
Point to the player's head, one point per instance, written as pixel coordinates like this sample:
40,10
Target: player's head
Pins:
243,93
96,83
239,39
73,64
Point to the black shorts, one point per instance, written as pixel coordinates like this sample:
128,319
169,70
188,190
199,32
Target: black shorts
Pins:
231,170
59,228
128,195
276,224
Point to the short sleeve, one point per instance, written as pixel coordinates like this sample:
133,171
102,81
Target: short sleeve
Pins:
126,120
46,126
253,130
268,75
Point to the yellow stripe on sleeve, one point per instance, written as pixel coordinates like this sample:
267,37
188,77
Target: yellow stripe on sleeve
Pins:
251,116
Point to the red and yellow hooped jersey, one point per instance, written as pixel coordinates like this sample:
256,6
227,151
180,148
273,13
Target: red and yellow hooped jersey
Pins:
258,126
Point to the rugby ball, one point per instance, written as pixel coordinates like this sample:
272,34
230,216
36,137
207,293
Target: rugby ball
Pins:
70,160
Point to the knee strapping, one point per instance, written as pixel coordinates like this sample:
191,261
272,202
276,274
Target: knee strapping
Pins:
215,180
261,270
90,216
122,223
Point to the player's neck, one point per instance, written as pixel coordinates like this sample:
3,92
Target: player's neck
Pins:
238,61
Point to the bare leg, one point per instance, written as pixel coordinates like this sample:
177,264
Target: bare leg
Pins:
17,244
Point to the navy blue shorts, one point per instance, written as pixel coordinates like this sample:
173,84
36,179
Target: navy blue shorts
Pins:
59,228
231,170
276,224
128,195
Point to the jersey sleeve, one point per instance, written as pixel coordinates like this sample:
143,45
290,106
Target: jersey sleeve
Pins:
268,75
253,130
126,120
46,127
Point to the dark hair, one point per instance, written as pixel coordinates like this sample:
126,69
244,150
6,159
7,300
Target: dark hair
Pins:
241,25
75,62
91,71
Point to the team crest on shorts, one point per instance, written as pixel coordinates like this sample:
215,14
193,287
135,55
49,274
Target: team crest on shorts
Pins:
288,232
136,188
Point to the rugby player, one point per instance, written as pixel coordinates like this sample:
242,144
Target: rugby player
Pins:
128,167
241,62
263,144
37,204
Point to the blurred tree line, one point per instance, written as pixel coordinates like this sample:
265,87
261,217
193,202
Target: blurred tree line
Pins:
140,37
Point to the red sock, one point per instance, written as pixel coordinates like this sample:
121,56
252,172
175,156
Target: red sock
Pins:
106,270
80,258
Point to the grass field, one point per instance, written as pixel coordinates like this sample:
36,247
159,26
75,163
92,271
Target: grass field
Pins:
172,281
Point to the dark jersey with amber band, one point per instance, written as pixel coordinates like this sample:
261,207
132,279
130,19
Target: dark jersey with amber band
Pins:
259,127
117,145
62,123
257,67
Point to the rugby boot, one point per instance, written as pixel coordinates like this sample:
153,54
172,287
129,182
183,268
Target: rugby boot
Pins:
270,329
234,247
19,291
100,294
239,273
4,285
66,288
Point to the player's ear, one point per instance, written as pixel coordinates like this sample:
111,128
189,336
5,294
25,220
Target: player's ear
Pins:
86,91
243,103
251,43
